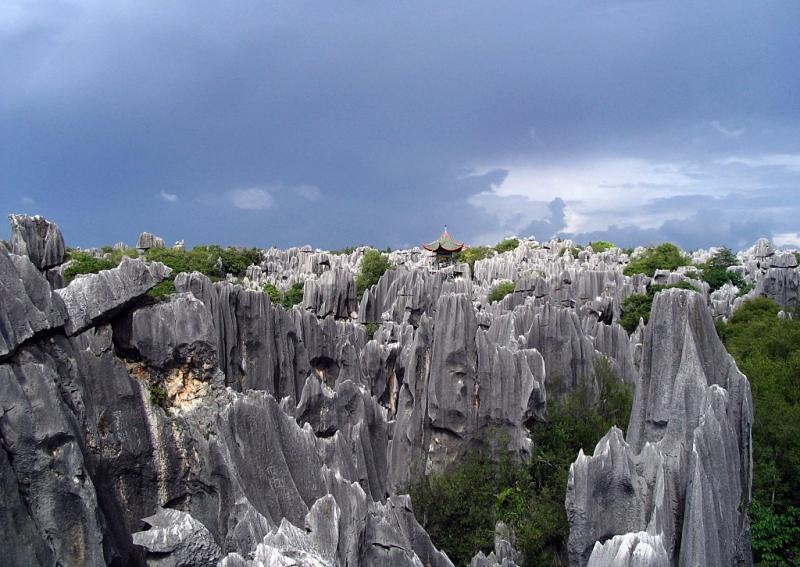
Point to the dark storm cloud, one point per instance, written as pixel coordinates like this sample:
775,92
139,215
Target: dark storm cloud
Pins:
395,118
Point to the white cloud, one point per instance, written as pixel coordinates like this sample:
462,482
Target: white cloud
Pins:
787,239
589,187
169,197
252,199
729,132
790,162
309,192
28,201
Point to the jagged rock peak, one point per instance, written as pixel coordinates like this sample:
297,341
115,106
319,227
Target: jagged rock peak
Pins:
684,474
38,239
28,305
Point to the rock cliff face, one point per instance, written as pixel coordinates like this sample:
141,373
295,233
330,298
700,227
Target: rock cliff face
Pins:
677,488
213,427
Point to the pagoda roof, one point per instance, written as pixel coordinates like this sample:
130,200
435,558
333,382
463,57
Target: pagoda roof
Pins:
445,243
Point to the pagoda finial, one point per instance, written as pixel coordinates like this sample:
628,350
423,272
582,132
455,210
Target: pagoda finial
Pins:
445,228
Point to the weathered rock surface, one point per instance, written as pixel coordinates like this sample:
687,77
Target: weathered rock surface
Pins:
93,298
28,305
147,241
176,539
333,293
685,471
216,427
38,239
166,331
630,550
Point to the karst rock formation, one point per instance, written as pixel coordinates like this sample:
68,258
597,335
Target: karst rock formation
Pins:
213,427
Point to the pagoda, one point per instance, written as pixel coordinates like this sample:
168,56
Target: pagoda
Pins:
444,247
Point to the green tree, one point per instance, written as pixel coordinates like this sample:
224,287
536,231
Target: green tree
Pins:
275,295
638,305
460,506
473,254
715,270
293,295
501,290
767,350
507,245
665,256
373,266
602,245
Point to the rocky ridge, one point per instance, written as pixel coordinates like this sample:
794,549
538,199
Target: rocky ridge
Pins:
214,426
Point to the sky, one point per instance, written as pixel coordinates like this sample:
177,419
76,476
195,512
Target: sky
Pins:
266,123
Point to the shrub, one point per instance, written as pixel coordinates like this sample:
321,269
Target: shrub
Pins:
575,250
158,397
665,256
602,245
507,245
343,251
501,290
293,295
84,263
371,330
638,305
472,255
162,290
274,294
236,260
373,266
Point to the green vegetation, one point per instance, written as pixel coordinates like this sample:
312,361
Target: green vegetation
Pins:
715,271
373,266
213,261
293,295
776,536
287,300
344,251
371,330
637,305
501,290
473,254
162,290
158,397
506,245
767,349
275,295
85,263
665,256
602,245
459,507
